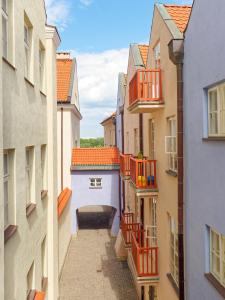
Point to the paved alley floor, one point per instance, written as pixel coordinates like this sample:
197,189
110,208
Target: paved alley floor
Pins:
92,272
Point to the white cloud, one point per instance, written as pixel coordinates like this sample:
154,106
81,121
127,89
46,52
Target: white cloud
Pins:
98,83
58,12
86,2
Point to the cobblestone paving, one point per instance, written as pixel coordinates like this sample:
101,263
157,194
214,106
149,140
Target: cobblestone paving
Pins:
92,272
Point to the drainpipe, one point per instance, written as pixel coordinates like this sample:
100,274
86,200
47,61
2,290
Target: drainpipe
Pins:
141,132
176,53
122,133
114,123
61,149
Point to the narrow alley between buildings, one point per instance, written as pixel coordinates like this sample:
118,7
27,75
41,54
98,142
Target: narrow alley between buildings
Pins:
91,269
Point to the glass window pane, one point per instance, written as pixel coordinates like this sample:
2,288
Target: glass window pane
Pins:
4,37
4,5
6,199
6,170
213,101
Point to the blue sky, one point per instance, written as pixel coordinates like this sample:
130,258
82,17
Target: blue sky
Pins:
98,33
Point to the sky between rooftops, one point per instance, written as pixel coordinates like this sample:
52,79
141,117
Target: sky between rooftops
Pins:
98,33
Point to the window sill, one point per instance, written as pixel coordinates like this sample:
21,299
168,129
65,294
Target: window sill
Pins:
29,82
43,94
44,194
30,209
31,295
8,63
217,285
95,188
44,284
171,173
173,283
9,232
214,138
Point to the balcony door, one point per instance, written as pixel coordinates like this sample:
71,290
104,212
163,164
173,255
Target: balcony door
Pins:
152,293
151,139
142,208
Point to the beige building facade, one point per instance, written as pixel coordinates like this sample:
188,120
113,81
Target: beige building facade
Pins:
109,131
29,151
150,172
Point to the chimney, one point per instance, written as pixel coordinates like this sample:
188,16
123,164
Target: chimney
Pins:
63,55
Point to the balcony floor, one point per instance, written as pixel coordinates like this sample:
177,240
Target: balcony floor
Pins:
92,271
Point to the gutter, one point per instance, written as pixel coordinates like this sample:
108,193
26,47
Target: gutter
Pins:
176,54
61,149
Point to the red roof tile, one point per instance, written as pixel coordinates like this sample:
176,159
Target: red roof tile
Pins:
64,69
180,15
95,156
63,199
144,53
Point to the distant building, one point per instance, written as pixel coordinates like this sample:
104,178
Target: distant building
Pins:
95,181
68,137
204,128
109,125
28,132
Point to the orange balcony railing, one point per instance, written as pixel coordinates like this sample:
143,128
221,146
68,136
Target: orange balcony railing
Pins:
127,226
143,173
144,255
125,164
146,85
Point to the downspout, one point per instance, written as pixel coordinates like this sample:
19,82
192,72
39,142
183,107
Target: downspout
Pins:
176,53
61,149
141,133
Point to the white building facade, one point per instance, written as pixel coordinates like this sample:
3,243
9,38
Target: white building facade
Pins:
29,152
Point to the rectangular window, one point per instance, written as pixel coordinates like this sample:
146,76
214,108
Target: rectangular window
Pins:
44,258
8,181
42,66
95,182
151,230
43,168
127,142
216,111
5,25
157,55
217,256
30,280
171,144
29,175
174,260
152,139
27,47
6,177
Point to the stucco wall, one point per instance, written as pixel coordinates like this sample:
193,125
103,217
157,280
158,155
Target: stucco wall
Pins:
84,196
64,224
109,134
167,184
204,65
27,113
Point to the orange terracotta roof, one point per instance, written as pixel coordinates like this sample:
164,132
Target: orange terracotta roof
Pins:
39,296
95,156
144,53
64,69
63,199
180,15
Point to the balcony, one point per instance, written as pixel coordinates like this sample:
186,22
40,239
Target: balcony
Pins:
145,91
143,174
143,258
125,165
127,227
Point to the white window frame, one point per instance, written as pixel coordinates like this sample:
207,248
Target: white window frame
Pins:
42,67
29,174
95,183
43,167
219,113
217,254
157,55
27,50
151,230
171,145
5,39
6,182
174,257
31,279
